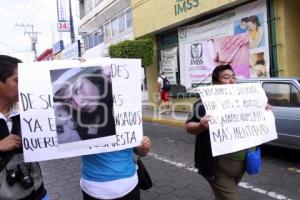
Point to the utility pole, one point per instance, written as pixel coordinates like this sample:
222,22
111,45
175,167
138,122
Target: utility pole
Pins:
71,24
33,36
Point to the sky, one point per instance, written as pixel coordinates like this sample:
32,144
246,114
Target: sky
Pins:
42,14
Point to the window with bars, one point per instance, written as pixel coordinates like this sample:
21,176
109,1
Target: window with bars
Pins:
128,19
114,27
111,28
121,23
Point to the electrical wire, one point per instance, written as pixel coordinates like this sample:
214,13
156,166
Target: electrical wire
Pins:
21,12
6,45
18,30
17,51
34,14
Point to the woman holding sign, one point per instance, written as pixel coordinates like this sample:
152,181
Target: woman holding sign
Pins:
87,92
223,172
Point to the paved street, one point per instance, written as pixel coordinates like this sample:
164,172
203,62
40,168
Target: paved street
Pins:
171,166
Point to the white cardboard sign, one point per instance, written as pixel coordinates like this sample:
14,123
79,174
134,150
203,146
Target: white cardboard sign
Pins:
52,128
239,119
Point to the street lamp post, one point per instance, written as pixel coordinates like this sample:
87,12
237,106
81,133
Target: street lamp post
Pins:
71,23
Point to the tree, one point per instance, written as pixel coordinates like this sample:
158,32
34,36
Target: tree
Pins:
138,48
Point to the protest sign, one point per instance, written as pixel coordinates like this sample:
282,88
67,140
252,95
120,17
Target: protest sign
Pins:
239,119
69,108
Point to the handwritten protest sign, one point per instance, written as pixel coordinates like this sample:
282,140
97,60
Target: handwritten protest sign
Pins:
53,95
238,116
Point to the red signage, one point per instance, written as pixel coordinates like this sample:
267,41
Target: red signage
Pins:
63,26
46,55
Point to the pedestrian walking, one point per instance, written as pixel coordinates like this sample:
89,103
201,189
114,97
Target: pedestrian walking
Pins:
163,86
111,175
223,172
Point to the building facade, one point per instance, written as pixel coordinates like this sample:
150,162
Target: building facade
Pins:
258,37
102,23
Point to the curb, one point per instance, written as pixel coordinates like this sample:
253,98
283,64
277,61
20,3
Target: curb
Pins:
170,122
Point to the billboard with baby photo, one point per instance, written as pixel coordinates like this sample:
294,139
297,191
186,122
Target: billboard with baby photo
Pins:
236,37
73,108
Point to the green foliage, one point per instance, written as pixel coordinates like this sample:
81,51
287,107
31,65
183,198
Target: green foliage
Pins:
139,48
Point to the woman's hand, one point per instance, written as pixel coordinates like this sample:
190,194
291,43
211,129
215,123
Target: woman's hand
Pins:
204,121
144,148
10,142
198,127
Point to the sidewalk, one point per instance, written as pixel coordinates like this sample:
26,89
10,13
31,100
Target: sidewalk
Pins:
173,118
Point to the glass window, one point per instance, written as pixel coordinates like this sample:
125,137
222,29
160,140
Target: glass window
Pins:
96,37
91,40
107,31
96,40
114,27
278,93
121,23
101,38
98,2
168,40
87,6
86,42
101,34
128,19
295,97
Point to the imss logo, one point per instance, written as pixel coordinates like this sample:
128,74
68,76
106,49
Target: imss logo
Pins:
196,54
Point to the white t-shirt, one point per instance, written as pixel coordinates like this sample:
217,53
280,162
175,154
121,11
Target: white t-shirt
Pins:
108,190
161,81
13,111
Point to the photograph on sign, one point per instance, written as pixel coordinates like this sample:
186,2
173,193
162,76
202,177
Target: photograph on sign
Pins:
83,104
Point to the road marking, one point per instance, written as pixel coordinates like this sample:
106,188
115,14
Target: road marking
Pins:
245,185
293,169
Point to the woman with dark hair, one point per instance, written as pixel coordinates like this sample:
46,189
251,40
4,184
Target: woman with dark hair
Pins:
109,175
255,32
223,172
87,92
